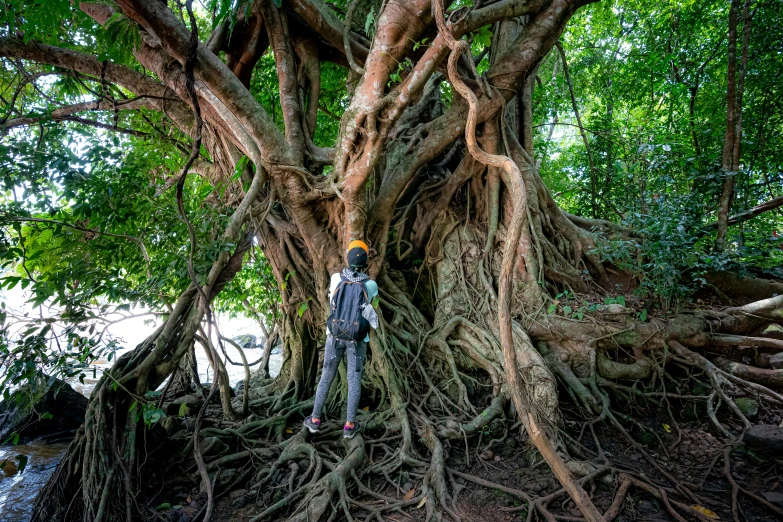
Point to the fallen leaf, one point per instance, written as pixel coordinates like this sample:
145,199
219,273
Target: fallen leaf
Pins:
409,495
366,408
667,428
706,512
423,501
289,430
487,455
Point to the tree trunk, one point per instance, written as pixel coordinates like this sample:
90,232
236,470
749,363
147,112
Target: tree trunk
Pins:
734,91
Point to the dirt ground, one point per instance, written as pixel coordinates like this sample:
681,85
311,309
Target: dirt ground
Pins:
684,444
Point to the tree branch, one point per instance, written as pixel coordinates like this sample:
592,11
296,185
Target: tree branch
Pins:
277,29
575,105
322,20
157,19
63,113
772,204
158,95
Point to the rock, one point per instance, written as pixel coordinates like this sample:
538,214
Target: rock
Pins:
584,468
613,309
645,507
487,455
171,425
227,477
774,497
479,497
240,502
748,407
50,410
239,387
765,438
509,447
407,487
245,340
213,446
8,467
773,330
237,493
189,424
776,361
208,385
186,406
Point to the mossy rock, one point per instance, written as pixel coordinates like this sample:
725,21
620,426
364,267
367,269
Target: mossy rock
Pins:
48,408
749,407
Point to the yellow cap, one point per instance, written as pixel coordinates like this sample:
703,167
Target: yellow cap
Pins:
358,243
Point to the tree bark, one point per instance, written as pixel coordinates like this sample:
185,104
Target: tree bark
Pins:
734,92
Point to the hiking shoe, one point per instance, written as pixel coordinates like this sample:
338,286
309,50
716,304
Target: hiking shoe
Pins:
349,432
311,425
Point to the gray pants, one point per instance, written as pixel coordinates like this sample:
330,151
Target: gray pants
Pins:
356,355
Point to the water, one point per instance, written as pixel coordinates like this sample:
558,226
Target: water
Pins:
18,490
235,373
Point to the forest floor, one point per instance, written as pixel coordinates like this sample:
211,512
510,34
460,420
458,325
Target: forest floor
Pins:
690,450
676,434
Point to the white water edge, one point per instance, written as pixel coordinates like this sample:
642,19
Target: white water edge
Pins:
19,490
132,331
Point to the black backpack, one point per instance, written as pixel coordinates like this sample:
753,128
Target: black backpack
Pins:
345,321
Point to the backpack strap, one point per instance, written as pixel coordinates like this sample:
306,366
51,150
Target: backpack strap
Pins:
337,288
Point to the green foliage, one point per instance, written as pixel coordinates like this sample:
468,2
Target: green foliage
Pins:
369,23
122,36
636,67
482,38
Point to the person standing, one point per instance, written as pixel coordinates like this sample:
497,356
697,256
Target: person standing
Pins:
351,293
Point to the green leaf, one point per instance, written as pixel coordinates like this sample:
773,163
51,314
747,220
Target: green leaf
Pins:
483,36
166,505
22,459
46,415
643,315
621,300
240,168
567,310
551,309
302,309
369,22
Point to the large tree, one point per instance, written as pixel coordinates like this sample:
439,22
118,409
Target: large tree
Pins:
433,165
